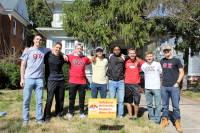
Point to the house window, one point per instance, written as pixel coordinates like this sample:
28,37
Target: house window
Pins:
14,27
69,46
23,33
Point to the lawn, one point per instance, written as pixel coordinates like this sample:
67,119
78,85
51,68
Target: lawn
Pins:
11,102
192,93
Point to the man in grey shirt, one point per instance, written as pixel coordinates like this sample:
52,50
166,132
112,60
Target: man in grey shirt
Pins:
32,77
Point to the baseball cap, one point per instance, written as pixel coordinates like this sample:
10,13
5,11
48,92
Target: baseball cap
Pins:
99,49
166,47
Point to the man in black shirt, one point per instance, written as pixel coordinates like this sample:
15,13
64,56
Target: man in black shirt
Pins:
53,69
115,75
172,75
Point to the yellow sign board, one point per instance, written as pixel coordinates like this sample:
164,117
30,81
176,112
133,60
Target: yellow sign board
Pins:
102,108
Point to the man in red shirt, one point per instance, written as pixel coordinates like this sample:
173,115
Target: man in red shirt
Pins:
77,79
132,79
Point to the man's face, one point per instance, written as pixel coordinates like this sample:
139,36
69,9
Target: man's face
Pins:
167,53
79,50
57,48
132,54
149,58
37,41
117,51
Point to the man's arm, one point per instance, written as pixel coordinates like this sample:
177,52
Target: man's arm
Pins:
181,75
22,72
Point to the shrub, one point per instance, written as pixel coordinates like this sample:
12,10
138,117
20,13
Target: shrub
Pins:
9,75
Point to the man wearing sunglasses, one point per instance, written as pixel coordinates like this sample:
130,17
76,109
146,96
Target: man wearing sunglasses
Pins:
172,76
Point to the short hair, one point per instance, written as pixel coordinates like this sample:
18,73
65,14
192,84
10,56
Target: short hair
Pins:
115,47
149,52
38,34
132,49
77,43
57,43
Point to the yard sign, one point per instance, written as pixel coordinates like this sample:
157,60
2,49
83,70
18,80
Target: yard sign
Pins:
102,108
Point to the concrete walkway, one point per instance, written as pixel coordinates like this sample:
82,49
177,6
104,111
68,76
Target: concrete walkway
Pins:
190,116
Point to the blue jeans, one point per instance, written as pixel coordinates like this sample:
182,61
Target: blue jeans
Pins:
153,96
174,94
37,85
116,89
102,88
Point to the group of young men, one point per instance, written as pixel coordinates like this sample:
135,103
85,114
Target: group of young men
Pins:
114,76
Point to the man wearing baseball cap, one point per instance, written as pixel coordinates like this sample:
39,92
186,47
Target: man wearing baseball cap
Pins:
172,76
99,78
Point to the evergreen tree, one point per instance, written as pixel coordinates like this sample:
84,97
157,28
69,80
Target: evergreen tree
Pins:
105,21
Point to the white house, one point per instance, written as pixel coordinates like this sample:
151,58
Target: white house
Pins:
56,33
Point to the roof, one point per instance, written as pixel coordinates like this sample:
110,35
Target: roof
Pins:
18,6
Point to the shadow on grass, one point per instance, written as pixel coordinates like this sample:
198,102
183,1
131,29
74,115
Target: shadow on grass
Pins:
111,127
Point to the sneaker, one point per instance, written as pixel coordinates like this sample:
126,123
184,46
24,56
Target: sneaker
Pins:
47,120
82,116
68,116
120,116
25,124
40,122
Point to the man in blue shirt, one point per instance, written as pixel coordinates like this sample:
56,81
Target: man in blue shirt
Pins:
32,77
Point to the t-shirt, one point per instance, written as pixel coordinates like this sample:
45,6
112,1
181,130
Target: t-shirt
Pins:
53,66
152,75
77,66
170,71
132,71
35,62
99,68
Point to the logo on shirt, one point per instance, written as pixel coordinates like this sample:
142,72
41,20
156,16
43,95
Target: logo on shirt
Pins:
78,62
37,56
167,65
150,68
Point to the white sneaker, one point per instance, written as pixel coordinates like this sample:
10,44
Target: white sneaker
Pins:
82,116
25,124
40,122
68,116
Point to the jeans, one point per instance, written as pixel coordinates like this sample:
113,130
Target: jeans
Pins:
153,96
102,88
56,88
174,94
116,89
81,88
36,85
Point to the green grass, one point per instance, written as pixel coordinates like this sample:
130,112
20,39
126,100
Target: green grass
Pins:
11,102
192,93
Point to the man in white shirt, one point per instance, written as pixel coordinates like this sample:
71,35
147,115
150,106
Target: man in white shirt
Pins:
152,71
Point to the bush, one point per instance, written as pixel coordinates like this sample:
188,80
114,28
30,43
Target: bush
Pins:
9,75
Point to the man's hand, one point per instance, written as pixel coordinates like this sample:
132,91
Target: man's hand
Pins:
176,85
22,83
65,58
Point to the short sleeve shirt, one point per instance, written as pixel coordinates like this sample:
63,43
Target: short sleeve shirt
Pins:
152,75
77,65
34,58
132,71
99,69
170,71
